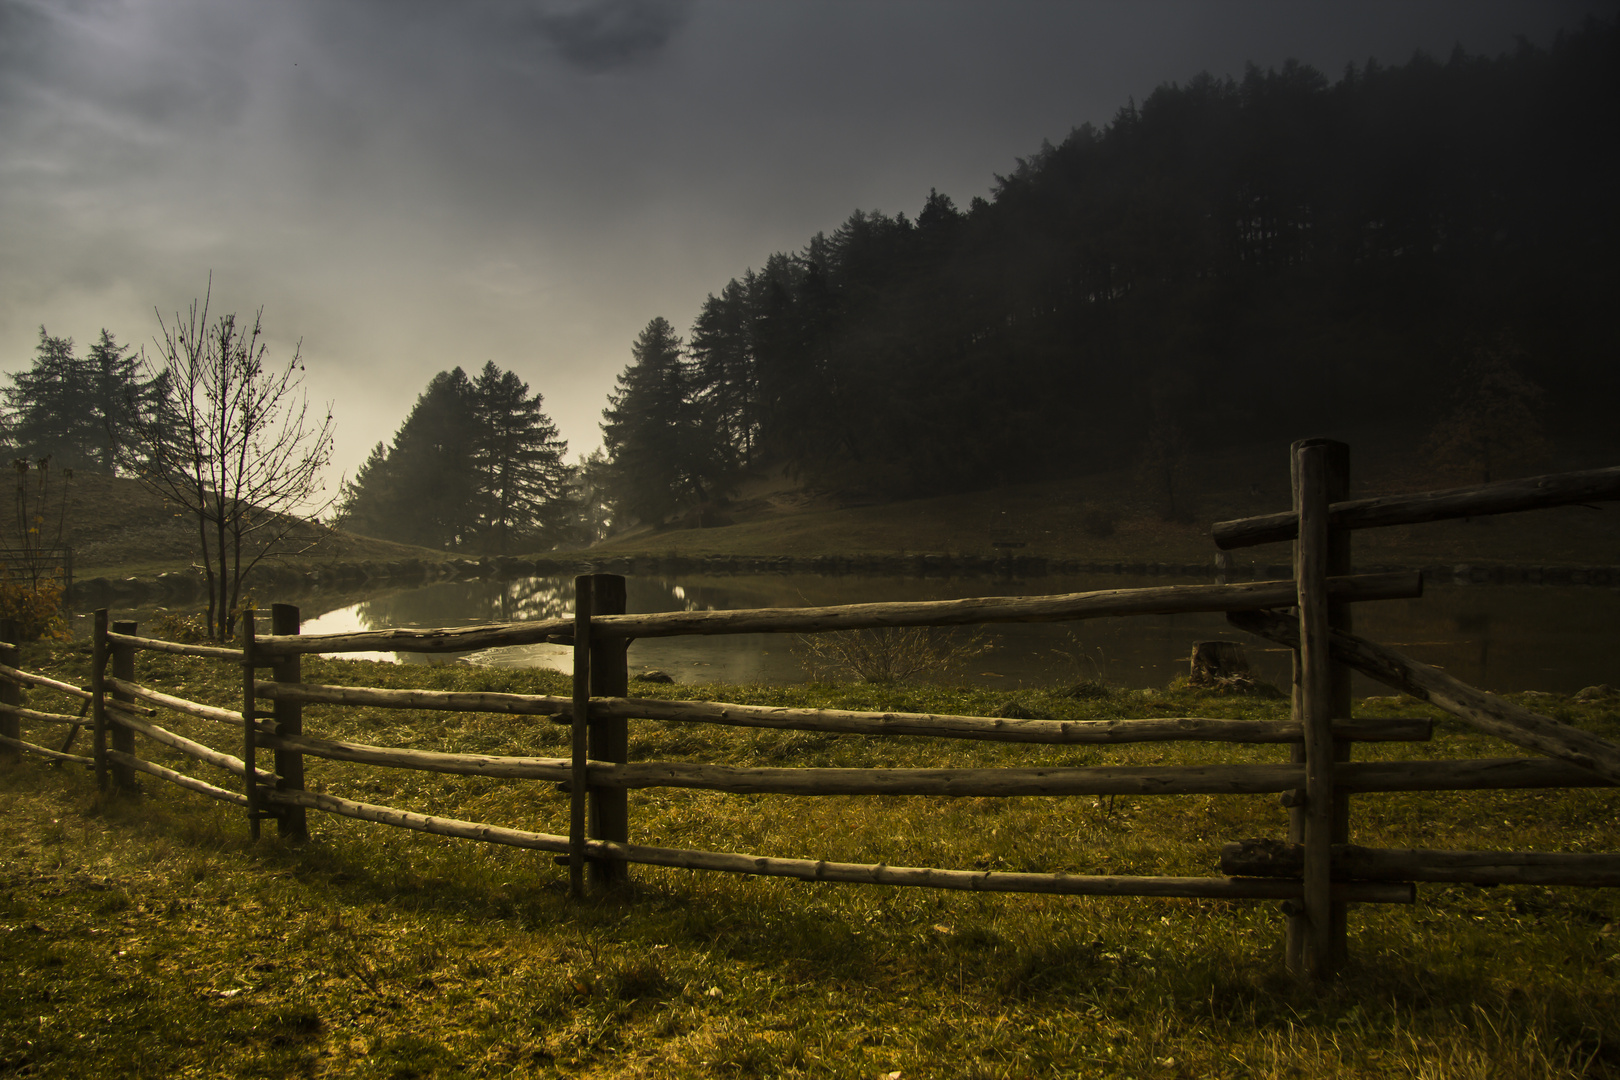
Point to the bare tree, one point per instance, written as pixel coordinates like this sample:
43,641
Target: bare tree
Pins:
235,446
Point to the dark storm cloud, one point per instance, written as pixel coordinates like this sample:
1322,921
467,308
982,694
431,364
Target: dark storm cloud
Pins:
604,34
413,184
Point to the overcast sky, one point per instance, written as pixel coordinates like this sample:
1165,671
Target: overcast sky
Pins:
409,185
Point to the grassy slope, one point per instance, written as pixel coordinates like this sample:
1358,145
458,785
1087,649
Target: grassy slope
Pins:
1056,520
119,528
146,937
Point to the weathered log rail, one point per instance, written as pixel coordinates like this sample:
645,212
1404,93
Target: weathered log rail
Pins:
1504,497
1158,600
1316,870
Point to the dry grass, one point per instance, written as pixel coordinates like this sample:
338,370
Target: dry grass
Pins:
118,528
144,936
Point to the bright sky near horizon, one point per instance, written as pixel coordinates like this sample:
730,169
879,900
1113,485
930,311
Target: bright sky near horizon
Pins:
409,185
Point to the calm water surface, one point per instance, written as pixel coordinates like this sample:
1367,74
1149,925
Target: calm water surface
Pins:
1503,638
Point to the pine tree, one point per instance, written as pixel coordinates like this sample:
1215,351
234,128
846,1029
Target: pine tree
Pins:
51,405
87,412
476,465
117,397
523,479
664,458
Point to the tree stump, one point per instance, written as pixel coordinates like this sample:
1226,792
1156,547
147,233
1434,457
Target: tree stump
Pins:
1217,662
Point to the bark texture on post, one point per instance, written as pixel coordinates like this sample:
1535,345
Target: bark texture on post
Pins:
98,700
1314,697
1337,456
289,720
580,747
609,739
10,694
250,729
122,738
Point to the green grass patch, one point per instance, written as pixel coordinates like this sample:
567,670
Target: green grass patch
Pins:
145,936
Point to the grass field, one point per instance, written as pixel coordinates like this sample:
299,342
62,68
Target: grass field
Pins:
144,936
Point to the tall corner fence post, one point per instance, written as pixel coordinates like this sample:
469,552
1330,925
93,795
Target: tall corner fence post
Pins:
289,720
1339,563
10,692
250,728
1296,926
98,698
121,737
609,739
1314,697
579,727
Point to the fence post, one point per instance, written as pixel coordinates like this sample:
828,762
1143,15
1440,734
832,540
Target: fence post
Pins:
98,699
10,692
250,728
580,752
123,739
609,740
1336,460
1314,703
291,821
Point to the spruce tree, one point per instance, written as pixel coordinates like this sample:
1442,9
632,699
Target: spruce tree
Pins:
664,457
522,476
476,466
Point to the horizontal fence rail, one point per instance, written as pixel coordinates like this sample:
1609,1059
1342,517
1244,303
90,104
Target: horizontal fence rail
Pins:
440,700
1162,600
841,721
180,779
178,704
493,765
230,763
1268,859
1502,497
1487,712
1221,888
45,751
216,652
1316,870
23,713
28,680
996,729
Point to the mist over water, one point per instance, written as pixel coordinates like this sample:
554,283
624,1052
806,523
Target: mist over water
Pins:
1501,638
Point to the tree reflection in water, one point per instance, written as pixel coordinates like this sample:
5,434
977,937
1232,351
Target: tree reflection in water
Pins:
1504,638
463,603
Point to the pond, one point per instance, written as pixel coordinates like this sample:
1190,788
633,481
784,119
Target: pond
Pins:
1503,637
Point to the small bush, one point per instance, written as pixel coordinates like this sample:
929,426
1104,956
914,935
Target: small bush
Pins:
886,655
191,629
35,610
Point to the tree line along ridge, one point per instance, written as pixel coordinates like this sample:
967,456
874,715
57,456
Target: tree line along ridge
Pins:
1232,260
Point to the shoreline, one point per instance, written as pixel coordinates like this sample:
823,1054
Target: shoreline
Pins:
290,581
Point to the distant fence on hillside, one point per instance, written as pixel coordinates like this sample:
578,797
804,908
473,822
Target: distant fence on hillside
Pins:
1314,870
40,564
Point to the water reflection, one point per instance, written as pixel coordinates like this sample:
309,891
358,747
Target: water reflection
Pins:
1499,637
462,603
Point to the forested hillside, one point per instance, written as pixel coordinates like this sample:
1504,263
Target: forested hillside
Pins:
1229,260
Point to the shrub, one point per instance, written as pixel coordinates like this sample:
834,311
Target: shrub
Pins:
885,655
34,608
190,629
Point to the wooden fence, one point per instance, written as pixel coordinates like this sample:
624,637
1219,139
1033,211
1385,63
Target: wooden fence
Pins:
1315,871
